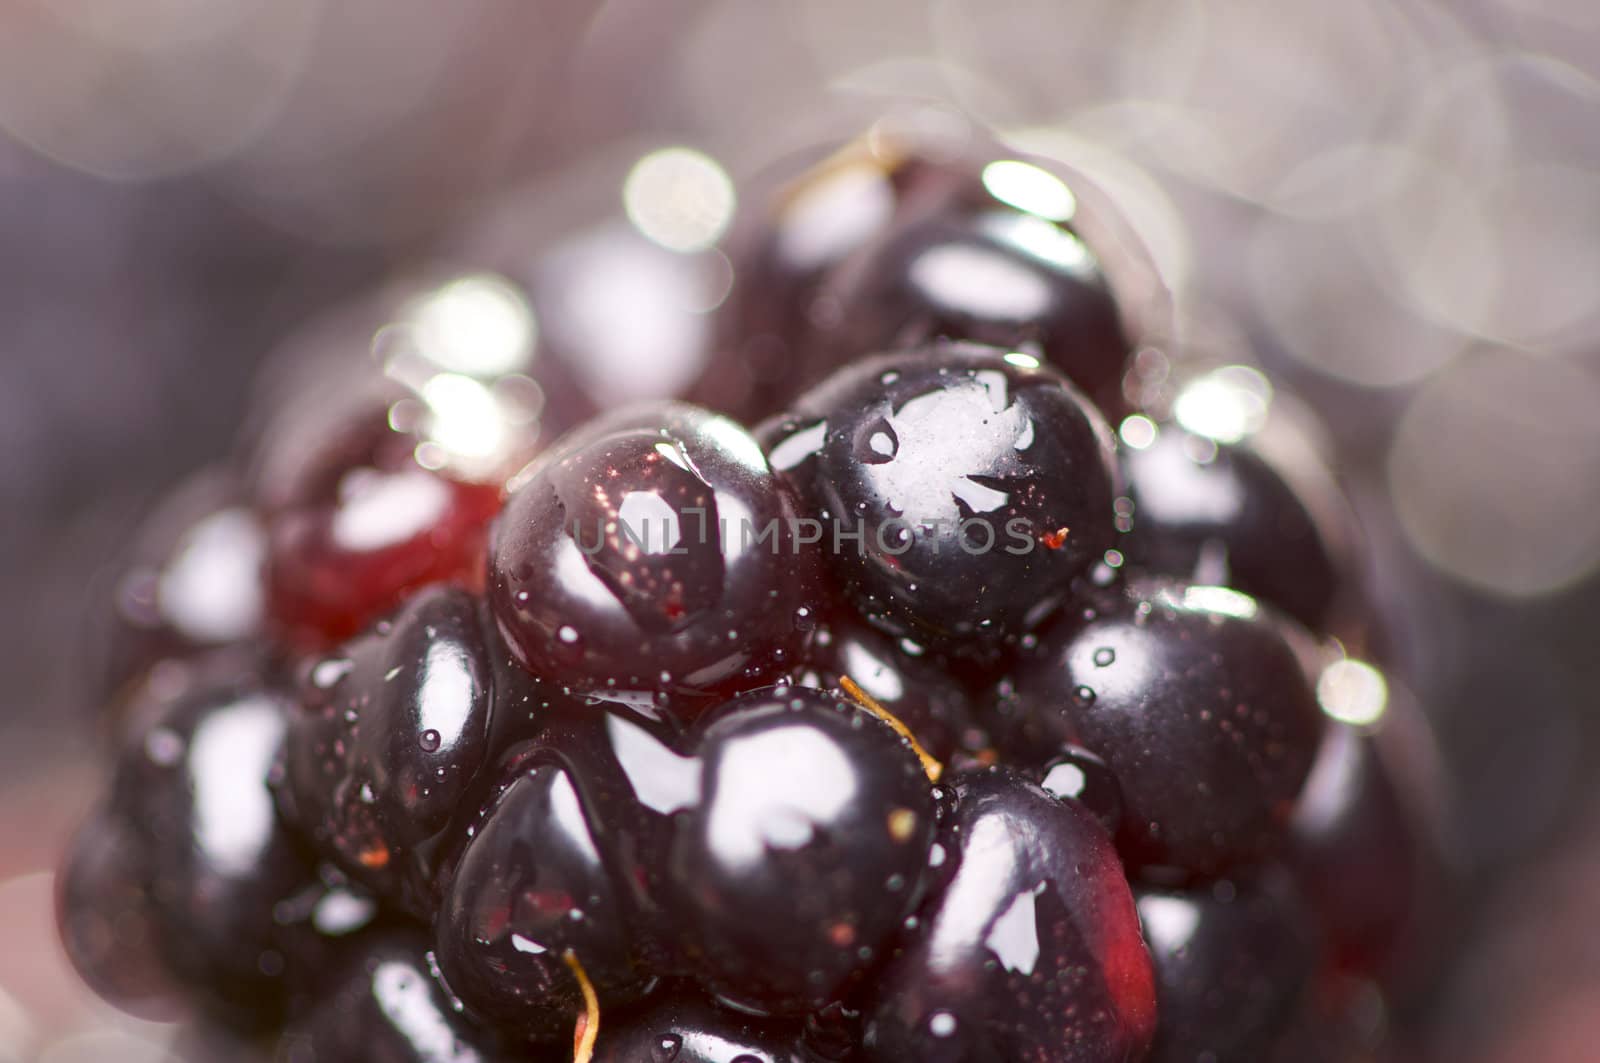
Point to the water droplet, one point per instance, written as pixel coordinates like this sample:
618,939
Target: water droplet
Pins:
666,1048
1104,656
942,1024
567,634
429,741
1084,696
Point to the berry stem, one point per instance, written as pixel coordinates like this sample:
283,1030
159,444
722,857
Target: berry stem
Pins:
588,1026
866,701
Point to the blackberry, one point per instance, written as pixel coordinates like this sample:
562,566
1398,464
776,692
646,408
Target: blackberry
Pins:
922,720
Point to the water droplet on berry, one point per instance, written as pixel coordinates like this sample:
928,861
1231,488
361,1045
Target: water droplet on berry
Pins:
429,741
1104,656
666,1049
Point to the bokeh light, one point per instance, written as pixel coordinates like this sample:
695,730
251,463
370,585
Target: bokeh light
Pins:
1495,473
680,198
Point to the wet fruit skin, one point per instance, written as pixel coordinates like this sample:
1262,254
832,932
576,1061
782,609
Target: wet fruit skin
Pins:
1074,772
987,273
981,487
192,582
682,1027
1367,850
1195,698
533,885
354,524
936,709
1029,949
893,242
391,732
804,217
235,900
1233,960
386,1005
655,554
1221,514
106,922
806,850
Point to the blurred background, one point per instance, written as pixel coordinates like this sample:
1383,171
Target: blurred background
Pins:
1394,203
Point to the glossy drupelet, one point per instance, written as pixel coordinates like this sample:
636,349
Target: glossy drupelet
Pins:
387,1005
1029,947
191,581
807,848
654,555
1196,699
903,678
354,523
1223,513
679,1026
1369,846
901,238
391,732
803,218
531,890
1074,772
985,271
960,491
1233,961
242,917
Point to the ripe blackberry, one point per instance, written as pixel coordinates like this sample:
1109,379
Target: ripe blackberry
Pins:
905,726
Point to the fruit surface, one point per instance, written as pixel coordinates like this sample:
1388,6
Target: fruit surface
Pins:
1030,951
389,1007
887,707
960,491
1222,514
684,1028
989,274
1233,961
391,732
531,890
242,915
806,850
1197,701
192,581
657,554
